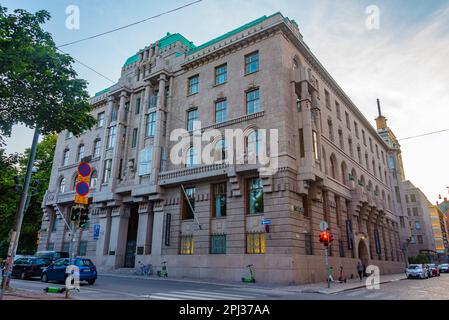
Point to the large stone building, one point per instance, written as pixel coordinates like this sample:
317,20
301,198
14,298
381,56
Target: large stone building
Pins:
205,220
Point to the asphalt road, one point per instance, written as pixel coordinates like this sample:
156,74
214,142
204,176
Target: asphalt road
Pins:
118,288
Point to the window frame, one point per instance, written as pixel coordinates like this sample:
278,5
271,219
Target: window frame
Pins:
249,191
215,195
248,101
191,85
249,62
223,111
218,73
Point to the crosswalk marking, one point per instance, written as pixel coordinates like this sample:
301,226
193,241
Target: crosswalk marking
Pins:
217,294
198,295
374,295
354,293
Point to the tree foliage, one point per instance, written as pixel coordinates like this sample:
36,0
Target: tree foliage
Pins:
38,85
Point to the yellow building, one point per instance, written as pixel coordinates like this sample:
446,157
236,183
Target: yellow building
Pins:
439,228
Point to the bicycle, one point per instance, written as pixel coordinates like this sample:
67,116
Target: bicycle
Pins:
144,270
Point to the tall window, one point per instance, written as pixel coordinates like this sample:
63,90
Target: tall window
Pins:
255,243
221,111
82,249
356,129
255,196
145,161
100,120
218,244
363,137
112,134
187,209
192,120
359,154
351,149
308,244
315,145
253,101
327,99
220,151
62,185
93,179
68,135
151,124
114,113
337,109
192,157
219,200
417,225
80,153
138,103
348,123
370,144
340,139
252,62
186,245
55,223
221,74
65,158
134,139
252,147
107,170
193,84
97,148
331,130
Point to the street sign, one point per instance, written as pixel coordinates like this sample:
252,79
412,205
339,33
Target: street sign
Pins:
266,222
84,169
81,199
82,189
323,226
96,231
84,179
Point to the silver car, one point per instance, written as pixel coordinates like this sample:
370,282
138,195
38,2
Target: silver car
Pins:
417,271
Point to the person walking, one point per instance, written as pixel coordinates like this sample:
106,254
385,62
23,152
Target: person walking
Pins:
360,270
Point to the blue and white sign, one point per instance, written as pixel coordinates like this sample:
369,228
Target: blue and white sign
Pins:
96,231
266,222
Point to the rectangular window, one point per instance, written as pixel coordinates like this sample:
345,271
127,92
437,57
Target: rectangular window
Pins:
188,203
252,101
363,137
145,161
112,136
138,103
301,143
417,225
402,222
371,145
420,239
255,196
65,159
134,139
406,198
219,200
356,129
82,249
337,109
221,111
97,148
415,212
151,124
100,120
412,198
55,224
186,245
327,99
192,120
68,135
80,153
114,113
409,212
315,145
308,244
252,62
193,84
221,74
348,123
341,248
107,170
255,243
218,244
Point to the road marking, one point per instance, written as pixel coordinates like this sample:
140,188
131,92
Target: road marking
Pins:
354,293
374,295
218,294
176,296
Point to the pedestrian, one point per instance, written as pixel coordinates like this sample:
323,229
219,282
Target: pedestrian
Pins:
360,270
341,278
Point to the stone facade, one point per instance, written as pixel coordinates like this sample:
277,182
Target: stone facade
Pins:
333,165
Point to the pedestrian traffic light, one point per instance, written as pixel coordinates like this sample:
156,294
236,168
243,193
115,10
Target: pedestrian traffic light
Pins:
331,238
84,218
75,214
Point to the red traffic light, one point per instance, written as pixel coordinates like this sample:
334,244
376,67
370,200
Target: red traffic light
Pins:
326,237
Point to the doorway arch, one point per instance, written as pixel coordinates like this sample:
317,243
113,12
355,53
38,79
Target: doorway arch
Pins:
363,252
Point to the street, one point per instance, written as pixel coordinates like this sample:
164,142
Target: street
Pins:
128,288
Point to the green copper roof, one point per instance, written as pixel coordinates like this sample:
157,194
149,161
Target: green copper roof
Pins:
231,33
102,92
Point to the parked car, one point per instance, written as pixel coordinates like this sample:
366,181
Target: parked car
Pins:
433,270
417,271
52,255
444,268
29,267
57,270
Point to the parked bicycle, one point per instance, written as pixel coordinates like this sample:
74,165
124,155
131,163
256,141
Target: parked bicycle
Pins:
144,270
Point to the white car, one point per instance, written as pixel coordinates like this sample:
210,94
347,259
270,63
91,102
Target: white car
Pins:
417,271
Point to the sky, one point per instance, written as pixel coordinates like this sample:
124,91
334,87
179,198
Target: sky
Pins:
403,62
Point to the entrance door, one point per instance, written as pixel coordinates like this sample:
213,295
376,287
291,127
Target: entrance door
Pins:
131,241
363,253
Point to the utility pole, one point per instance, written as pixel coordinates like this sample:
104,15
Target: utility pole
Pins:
15,235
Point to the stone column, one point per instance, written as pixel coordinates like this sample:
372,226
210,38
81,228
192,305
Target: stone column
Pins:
142,129
104,141
119,142
158,139
119,231
158,227
145,228
306,109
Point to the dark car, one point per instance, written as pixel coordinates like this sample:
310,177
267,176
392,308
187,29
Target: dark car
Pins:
433,270
52,255
29,267
57,270
444,268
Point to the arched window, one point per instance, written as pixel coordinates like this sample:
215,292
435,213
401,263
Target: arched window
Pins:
362,180
93,179
353,175
61,186
376,191
192,157
252,146
344,173
220,151
359,154
333,167
74,181
370,186
65,158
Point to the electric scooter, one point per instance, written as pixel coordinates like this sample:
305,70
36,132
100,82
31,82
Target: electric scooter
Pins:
163,272
251,278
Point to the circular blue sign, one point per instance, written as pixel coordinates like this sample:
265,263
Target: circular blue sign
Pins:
84,169
82,188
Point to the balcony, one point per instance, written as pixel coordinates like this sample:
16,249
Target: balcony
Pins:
195,173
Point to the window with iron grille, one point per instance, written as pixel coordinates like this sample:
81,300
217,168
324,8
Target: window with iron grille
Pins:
218,244
255,243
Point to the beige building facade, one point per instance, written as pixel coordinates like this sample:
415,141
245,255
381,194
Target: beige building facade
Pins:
212,220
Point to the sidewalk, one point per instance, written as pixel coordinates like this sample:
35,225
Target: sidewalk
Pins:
19,294
320,287
336,287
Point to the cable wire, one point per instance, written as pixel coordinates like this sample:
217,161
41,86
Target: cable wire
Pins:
424,134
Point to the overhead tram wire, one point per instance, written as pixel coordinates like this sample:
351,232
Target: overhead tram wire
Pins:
130,25
424,134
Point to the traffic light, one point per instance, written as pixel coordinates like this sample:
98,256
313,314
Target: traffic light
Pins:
75,214
324,238
84,218
331,238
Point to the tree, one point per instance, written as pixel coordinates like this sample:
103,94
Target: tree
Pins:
38,85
